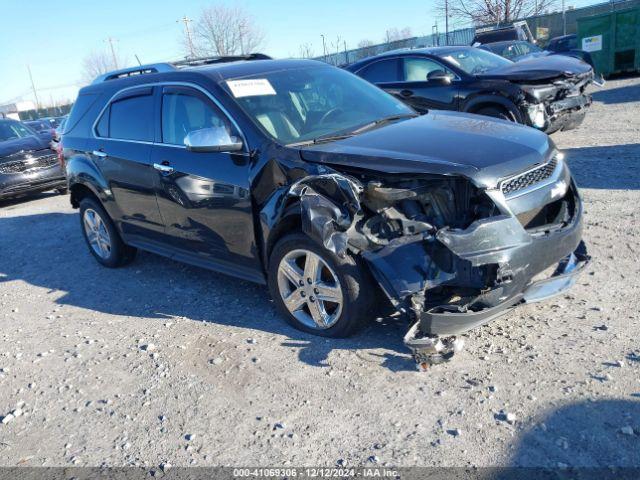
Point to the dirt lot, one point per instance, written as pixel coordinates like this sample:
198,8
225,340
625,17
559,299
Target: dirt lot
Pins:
160,362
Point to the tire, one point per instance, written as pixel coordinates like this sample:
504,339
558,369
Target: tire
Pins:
109,250
495,112
358,292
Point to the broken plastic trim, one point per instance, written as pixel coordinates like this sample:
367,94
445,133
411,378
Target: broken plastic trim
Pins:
330,206
431,350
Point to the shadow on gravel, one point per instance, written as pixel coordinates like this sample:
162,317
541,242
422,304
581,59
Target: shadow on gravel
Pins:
595,434
48,251
613,167
624,94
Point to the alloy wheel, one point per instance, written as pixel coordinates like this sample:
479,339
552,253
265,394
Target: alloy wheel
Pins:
310,289
97,233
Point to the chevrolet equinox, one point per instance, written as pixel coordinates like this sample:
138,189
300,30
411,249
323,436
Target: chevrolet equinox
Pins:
343,200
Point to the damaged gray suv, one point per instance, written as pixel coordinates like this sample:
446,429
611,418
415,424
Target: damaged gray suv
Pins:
335,194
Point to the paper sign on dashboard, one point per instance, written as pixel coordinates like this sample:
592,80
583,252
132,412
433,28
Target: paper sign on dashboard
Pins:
251,87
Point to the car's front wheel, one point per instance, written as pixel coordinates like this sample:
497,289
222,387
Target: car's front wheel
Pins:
101,235
495,112
317,291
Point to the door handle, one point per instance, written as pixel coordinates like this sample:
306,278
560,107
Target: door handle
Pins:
163,168
99,154
406,93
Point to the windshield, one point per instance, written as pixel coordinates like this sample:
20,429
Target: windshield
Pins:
298,105
12,130
475,61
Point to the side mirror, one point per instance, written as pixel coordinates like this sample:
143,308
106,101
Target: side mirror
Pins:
214,139
439,76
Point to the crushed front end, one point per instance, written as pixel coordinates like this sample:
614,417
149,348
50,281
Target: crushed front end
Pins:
558,104
449,254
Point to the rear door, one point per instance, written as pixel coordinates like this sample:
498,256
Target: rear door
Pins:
203,196
121,150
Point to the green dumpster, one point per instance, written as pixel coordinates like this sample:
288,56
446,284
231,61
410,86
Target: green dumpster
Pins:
613,39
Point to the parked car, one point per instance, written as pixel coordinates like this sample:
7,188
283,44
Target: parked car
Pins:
564,43
43,128
27,164
546,93
519,50
335,194
516,31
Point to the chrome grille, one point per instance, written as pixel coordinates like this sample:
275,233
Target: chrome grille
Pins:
527,179
32,164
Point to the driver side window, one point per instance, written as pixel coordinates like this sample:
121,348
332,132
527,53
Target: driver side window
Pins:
185,111
416,69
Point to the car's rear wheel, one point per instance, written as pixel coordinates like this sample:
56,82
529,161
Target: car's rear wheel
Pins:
317,291
101,236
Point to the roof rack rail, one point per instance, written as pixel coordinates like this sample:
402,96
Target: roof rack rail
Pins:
194,62
131,71
171,66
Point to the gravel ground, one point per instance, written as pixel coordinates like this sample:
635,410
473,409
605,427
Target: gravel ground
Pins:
160,362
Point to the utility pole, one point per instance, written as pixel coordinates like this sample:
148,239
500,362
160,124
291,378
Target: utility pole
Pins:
113,52
564,20
446,21
186,20
33,87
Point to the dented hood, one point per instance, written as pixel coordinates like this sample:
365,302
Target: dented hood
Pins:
540,68
447,143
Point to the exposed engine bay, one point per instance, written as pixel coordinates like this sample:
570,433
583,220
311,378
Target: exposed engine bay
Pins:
448,255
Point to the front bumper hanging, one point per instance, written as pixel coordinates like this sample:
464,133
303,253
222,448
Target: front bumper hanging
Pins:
444,322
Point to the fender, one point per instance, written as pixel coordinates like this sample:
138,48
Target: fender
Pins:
279,215
81,170
511,107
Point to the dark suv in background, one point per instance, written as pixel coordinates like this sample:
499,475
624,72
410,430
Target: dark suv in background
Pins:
27,163
546,93
307,178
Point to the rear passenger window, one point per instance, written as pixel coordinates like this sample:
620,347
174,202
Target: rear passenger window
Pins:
132,118
183,112
381,71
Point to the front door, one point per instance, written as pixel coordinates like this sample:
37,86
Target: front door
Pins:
203,196
422,93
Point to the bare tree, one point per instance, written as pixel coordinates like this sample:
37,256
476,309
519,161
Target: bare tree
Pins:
365,49
482,12
306,50
100,62
395,35
223,30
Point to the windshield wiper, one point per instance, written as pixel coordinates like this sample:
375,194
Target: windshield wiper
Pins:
368,126
383,121
322,139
